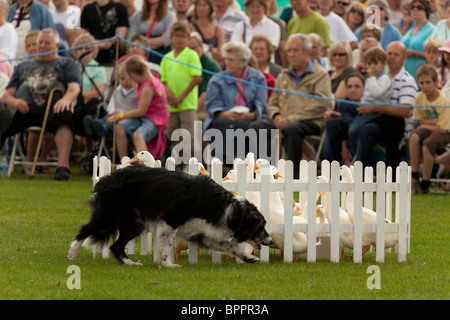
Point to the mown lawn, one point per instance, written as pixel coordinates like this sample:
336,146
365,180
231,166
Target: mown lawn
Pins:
39,218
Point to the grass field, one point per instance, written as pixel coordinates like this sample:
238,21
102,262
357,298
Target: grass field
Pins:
39,218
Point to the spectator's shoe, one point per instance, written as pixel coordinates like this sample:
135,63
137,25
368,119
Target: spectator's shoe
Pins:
62,173
423,191
415,186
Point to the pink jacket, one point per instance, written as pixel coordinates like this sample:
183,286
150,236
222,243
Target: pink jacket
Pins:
158,112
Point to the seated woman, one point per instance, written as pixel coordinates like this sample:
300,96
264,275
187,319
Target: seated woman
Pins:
154,21
336,129
94,74
232,104
212,34
262,50
341,60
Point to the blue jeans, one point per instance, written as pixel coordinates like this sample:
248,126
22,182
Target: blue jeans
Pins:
143,126
335,132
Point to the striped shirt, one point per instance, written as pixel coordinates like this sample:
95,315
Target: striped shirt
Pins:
228,21
404,92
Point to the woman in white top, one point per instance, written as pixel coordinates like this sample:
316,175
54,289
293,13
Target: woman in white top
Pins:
255,23
8,34
442,30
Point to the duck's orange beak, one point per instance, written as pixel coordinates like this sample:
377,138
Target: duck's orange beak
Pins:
134,159
203,171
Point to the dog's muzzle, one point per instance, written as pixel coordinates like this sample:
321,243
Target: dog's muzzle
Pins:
266,242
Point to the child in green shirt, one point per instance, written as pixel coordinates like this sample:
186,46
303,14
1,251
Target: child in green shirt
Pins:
180,80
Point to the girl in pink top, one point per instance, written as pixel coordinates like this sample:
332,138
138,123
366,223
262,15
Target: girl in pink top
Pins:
147,123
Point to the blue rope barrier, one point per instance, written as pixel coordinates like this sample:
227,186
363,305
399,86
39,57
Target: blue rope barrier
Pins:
119,37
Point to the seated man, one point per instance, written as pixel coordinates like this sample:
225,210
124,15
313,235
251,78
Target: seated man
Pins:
389,128
303,115
29,89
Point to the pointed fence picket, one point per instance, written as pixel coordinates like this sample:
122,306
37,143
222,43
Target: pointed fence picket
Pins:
386,193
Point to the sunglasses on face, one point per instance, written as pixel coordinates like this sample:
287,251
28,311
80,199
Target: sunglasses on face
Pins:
356,11
342,3
340,54
419,7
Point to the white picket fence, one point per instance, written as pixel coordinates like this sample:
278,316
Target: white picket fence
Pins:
392,200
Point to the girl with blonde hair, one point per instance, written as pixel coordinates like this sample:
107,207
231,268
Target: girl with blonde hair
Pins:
147,123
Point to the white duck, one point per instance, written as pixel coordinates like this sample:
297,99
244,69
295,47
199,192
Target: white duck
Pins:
368,216
345,238
300,240
299,211
276,204
145,157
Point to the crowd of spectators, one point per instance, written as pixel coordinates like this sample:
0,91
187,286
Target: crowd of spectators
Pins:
352,67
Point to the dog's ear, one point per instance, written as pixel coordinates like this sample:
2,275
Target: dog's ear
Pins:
251,220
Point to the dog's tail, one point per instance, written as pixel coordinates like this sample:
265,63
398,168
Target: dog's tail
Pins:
100,243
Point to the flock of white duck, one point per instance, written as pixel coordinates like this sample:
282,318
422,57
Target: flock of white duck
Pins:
300,215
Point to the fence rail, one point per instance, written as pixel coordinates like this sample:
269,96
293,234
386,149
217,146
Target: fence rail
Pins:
390,200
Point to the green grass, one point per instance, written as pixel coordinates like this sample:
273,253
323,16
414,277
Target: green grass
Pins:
39,218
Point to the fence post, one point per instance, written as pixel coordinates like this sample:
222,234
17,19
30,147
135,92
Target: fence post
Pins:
403,211
193,246
216,175
357,210
265,184
335,208
389,199
94,170
381,189
312,194
288,221
241,187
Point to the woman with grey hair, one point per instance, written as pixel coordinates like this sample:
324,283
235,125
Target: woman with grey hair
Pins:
378,17
233,104
8,34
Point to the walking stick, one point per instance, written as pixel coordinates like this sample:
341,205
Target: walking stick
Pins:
44,123
282,107
116,74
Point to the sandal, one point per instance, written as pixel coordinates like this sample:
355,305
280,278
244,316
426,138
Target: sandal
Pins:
62,173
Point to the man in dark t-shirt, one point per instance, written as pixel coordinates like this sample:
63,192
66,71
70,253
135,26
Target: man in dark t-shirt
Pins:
29,90
105,19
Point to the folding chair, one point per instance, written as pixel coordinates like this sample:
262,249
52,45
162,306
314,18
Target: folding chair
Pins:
18,156
312,147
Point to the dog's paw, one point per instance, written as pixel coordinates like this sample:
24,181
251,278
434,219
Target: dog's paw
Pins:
250,259
73,250
71,256
129,262
171,265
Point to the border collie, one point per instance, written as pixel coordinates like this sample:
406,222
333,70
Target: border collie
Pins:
175,205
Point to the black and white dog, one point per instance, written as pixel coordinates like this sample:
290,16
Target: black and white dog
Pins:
174,205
